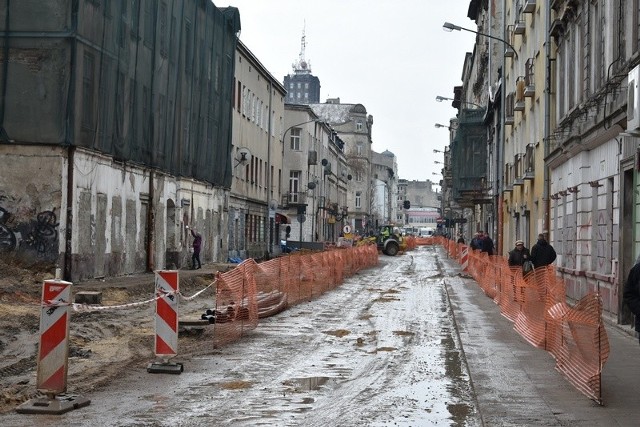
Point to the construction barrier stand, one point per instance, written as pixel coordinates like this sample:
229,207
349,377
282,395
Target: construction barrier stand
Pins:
53,352
464,258
54,337
166,339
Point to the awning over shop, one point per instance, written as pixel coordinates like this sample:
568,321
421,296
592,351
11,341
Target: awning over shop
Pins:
282,219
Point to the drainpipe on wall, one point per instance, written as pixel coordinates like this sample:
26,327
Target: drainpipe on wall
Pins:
547,123
502,138
69,136
150,225
267,224
68,234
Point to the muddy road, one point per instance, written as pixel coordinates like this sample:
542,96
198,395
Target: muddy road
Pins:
381,349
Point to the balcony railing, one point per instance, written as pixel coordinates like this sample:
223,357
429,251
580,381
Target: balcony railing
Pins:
529,78
529,162
518,168
508,109
529,6
519,101
291,199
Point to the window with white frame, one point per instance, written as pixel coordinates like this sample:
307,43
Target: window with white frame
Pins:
358,200
359,149
294,185
359,125
295,139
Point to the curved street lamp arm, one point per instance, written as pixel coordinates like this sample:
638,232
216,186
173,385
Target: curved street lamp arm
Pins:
448,26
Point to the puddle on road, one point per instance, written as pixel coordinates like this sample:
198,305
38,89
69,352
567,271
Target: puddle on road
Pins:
236,385
338,333
306,384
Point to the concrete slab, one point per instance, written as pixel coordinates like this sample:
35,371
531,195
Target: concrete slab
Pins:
165,368
53,406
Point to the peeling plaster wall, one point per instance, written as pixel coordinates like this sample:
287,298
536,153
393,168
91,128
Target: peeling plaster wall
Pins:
32,194
113,213
586,224
112,205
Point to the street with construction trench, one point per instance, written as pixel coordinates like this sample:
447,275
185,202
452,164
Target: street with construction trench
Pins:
411,341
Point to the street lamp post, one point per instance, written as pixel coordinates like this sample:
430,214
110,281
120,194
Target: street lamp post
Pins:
444,98
448,26
497,205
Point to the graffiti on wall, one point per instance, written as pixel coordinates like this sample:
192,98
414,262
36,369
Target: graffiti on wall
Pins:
38,236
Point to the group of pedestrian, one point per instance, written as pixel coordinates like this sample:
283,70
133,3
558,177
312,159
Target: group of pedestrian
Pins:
482,242
541,254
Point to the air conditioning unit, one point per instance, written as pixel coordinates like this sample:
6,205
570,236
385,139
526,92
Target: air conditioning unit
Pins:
633,101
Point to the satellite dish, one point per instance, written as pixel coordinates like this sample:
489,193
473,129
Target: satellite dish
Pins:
324,162
311,185
243,156
273,205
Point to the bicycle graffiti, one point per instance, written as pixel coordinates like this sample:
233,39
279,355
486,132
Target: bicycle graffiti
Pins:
7,238
41,234
44,235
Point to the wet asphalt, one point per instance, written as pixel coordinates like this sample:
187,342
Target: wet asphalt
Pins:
515,383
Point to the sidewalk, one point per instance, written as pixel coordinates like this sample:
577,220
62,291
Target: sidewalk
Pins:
517,384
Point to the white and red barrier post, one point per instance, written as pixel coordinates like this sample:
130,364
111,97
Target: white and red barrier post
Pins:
166,322
464,259
53,352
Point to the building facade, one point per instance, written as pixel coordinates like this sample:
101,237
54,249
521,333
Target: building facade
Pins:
569,147
354,126
384,209
258,123
116,133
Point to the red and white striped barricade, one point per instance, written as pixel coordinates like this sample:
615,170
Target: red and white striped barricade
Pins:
53,352
166,322
464,258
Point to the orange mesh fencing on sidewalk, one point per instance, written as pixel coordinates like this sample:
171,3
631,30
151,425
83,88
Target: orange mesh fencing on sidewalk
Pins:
236,303
536,304
253,290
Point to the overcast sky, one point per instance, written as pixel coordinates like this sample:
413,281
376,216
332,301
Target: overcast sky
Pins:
393,57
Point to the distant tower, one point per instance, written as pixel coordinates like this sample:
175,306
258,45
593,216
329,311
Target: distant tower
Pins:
302,87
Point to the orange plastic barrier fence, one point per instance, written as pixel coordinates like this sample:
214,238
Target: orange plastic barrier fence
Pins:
422,241
236,303
536,304
251,291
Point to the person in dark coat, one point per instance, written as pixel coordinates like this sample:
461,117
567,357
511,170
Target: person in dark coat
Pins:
542,253
486,243
519,254
475,241
631,293
197,243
